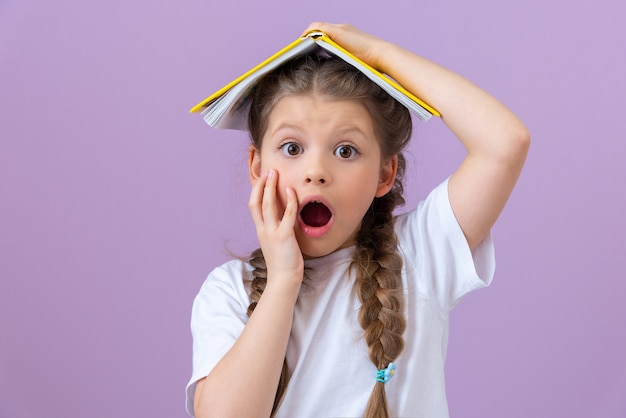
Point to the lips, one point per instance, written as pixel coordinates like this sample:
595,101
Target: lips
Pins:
315,216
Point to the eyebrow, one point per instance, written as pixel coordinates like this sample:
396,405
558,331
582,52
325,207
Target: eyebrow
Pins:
352,128
286,125
347,129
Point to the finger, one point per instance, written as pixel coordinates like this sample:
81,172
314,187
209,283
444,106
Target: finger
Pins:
323,26
291,210
256,200
313,26
269,205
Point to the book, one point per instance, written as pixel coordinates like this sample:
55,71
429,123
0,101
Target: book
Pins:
228,107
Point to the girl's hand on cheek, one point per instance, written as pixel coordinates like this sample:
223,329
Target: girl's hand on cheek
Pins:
276,234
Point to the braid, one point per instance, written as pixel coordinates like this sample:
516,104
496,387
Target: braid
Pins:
257,285
379,287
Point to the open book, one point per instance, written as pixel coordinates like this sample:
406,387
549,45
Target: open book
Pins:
228,107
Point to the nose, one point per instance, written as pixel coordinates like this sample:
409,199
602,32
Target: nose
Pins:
316,171
313,179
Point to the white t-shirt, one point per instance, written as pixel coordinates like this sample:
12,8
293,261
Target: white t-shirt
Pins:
331,374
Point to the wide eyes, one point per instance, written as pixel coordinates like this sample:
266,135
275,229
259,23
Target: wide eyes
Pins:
293,149
346,151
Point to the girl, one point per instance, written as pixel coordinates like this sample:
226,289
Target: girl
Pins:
342,295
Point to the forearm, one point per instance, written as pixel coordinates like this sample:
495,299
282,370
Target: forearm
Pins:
244,382
484,125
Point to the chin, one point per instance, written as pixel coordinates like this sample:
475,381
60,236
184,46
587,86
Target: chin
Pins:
315,249
309,254
319,249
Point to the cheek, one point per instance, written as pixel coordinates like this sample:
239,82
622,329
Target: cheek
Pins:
285,177
361,194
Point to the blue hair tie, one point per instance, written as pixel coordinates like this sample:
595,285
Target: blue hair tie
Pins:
384,375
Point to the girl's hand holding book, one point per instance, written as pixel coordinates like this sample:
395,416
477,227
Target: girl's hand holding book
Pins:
363,45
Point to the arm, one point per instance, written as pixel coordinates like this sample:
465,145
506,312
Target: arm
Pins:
244,382
495,139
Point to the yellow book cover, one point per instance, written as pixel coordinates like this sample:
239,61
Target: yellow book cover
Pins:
227,108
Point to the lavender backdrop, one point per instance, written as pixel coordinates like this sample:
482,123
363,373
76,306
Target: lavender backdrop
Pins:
116,203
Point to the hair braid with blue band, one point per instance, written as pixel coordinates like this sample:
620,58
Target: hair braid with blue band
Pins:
385,375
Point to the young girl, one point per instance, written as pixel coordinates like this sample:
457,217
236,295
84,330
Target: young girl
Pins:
343,295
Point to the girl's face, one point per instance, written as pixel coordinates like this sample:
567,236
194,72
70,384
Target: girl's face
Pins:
327,151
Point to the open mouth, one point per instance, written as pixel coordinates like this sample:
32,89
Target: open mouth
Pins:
315,214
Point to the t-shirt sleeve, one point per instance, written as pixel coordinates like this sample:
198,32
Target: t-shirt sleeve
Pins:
437,254
218,317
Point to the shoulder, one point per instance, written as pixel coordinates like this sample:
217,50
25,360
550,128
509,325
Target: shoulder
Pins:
433,215
226,282
233,270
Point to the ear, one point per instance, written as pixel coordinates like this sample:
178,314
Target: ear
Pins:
387,176
254,164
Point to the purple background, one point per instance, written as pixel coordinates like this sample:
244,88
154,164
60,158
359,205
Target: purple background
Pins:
116,203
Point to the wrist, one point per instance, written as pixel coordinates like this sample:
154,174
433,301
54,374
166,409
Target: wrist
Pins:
380,54
285,288
385,57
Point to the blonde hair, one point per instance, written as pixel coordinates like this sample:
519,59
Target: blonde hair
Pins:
376,262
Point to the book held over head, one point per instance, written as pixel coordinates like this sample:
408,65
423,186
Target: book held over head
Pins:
228,107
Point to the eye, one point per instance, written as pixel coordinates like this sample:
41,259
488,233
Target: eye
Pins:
291,149
346,151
